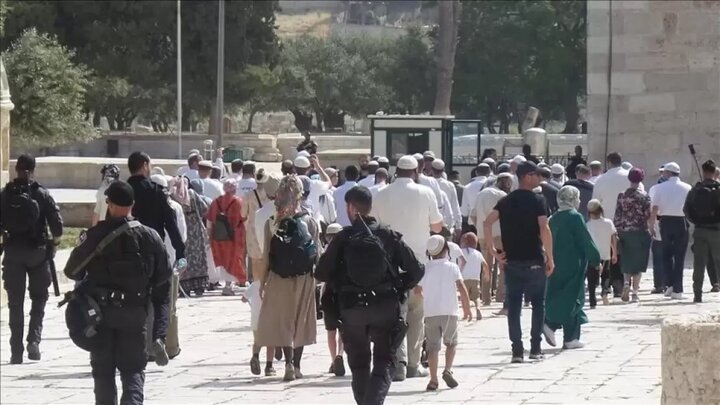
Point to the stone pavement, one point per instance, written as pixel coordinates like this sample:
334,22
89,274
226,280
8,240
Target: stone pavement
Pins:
620,364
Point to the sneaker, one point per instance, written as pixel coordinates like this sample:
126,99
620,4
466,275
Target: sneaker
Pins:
537,356
698,298
255,365
270,372
715,288
33,350
447,376
414,372
549,335
517,358
289,373
634,298
298,373
593,306
161,356
605,300
399,372
573,344
677,296
338,366
626,294
668,292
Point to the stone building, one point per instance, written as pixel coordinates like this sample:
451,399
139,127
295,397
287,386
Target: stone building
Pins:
663,92
5,107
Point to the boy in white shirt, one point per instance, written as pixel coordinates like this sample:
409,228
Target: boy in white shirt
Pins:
252,296
439,289
472,268
603,232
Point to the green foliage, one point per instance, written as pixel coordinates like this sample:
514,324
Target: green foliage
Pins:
410,73
48,91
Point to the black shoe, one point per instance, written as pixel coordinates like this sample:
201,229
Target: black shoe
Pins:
172,356
338,366
33,350
698,298
657,291
16,359
255,365
537,356
715,288
278,353
517,358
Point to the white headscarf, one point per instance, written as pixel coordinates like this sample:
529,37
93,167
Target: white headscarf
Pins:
568,198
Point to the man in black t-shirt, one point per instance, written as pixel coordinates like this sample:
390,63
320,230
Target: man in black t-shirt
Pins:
526,238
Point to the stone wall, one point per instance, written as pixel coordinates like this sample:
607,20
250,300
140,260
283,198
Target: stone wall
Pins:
665,81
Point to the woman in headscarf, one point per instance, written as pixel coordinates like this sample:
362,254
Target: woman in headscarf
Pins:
227,233
573,251
288,314
195,276
632,218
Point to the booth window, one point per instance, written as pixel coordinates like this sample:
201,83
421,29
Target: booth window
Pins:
406,142
465,137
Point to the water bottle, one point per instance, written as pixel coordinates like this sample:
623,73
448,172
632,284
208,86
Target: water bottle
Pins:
180,264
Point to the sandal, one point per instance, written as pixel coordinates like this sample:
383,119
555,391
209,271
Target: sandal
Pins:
447,376
432,386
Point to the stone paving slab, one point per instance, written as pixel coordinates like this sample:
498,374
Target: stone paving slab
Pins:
619,365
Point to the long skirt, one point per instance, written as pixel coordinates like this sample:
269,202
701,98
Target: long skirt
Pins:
288,316
635,248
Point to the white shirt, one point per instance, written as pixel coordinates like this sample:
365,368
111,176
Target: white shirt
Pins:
434,186
602,230
212,188
374,190
252,294
470,194
340,206
473,264
455,252
410,209
317,188
327,207
593,179
449,189
368,181
182,227
245,186
609,186
439,288
670,197
485,203
186,171
261,217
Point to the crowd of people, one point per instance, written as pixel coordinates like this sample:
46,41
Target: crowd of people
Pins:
389,257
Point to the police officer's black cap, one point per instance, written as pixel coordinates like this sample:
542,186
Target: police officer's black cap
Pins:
120,193
25,163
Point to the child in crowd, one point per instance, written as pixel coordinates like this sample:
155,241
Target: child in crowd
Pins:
472,268
604,235
252,296
329,306
439,288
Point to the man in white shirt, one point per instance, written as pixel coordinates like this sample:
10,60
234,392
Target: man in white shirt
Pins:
438,167
471,191
351,175
191,170
595,171
246,183
485,203
611,184
369,180
381,178
412,210
429,182
212,188
302,165
668,201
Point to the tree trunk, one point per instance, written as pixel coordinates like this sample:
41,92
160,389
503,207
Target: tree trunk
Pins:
319,120
448,21
155,126
333,119
96,119
572,115
250,121
303,120
212,122
489,117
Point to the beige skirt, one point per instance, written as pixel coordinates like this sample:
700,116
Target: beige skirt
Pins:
288,317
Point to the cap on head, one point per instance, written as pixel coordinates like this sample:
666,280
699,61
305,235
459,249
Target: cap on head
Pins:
672,167
382,172
636,175
383,159
504,175
518,159
595,163
301,162
205,164
435,245
120,194
489,161
333,229
159,179
429,155
25,163
303,153
526,168
417,156
408,162
503,168
557,169
626,165
373,163
438,164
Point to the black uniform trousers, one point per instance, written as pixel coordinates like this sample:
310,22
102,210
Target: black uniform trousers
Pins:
122,349
361,326
674,235
21,262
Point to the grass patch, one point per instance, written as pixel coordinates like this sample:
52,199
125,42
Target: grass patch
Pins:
70,238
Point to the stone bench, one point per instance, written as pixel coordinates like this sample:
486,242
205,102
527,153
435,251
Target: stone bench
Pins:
691,359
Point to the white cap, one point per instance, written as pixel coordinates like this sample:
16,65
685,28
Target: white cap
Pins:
429,154
383,159
489,160
301,162
627,165
159,179
484,165
417,156
206,164
333,228
672,167
407,162
438,164
519,159
595,163
303,153
557,168
373,163
330,171
435,244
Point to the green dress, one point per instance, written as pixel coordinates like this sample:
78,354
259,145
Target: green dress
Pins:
573,251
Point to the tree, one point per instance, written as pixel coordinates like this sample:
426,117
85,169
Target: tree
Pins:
449,12
48,91
264,88
409,73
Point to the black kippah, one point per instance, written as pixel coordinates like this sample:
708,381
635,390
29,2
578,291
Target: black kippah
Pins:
120,193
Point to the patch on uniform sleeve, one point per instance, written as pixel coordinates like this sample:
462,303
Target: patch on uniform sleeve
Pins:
82,237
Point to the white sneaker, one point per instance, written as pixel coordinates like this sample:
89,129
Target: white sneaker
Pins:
574,344
676,296
549,335
668,292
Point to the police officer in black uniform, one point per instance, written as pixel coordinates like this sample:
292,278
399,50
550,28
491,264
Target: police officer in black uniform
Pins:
369,314
27,211
128,274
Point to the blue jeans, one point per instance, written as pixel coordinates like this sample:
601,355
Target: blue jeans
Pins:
674,234
525,277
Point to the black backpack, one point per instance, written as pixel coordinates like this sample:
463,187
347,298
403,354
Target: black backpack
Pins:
366,262
706,203
20,211
292,249
222,230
